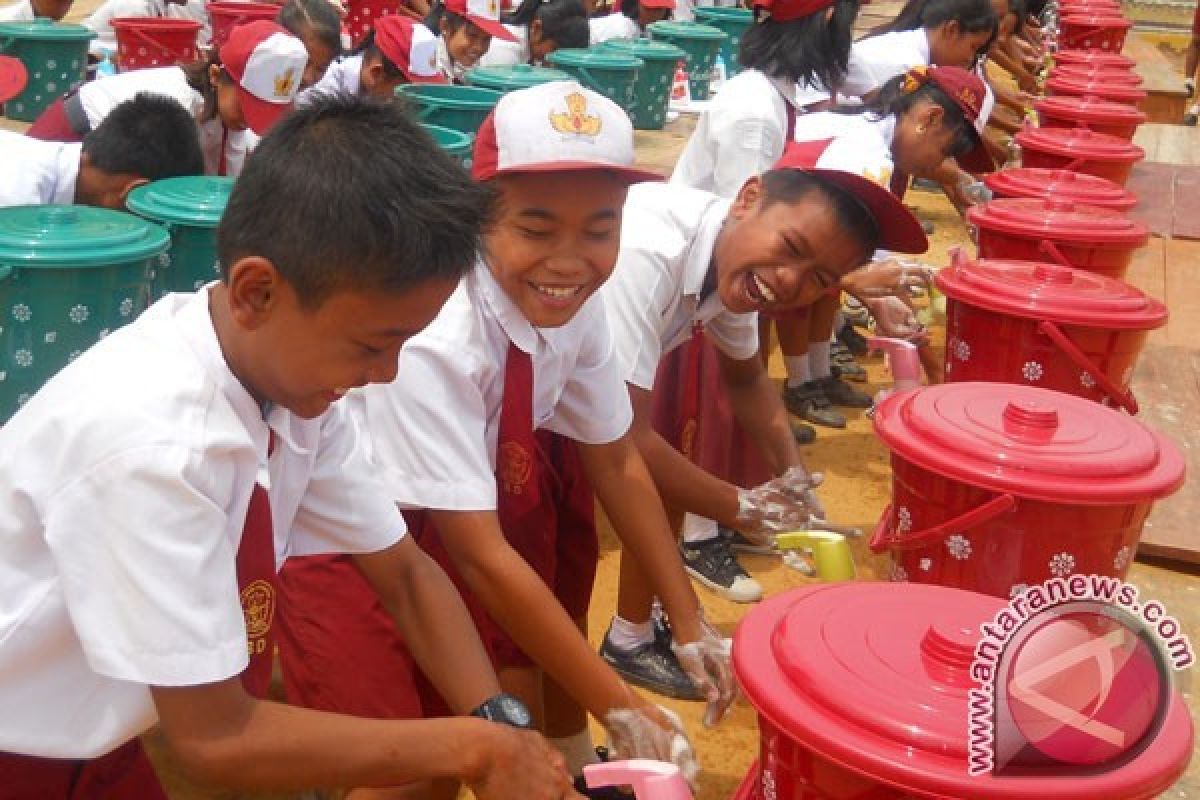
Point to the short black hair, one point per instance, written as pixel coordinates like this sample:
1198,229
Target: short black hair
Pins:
892,100
151,136
564,22
793,185
810,51
369,50
318,16
352,193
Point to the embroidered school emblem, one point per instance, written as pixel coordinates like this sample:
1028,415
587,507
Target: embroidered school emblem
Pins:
969,99
285,83
576,120
914,79
514,467
687,438
258,608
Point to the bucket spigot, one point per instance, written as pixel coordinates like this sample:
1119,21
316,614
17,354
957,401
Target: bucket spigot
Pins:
830,552
651,780
903,361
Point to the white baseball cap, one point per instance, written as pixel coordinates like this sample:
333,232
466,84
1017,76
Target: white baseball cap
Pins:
409,45
483,14
267,62
556,127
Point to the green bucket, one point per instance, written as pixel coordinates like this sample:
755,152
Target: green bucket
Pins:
700,42
456,143
54,55
511,78
68,276
652,91
603,70
734,22
189,208
460,108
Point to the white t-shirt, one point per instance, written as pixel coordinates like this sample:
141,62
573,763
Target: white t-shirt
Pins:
342,77
613,26
33,172
101,19
124,486
877,59
447,66
21,11
501,53
742,134
653,297
433,431
861,143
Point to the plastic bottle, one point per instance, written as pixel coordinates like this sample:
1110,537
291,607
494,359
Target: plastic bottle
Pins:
106,65
717,78
681,93
903,361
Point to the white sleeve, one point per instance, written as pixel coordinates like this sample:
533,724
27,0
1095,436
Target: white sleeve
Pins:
735,335
502,54
594,406
428,434
632,299
871,66
745,147
21,11
143,550
345,507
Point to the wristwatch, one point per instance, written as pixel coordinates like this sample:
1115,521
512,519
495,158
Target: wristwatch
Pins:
505,709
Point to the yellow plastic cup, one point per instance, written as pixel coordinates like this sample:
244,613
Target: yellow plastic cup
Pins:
831,552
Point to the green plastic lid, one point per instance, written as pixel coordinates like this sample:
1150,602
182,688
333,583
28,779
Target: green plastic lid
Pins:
76,236
598,57
197,201
715,12
449,95
46,30
519,76
646,49
669,29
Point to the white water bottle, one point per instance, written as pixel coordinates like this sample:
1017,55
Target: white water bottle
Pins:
716,78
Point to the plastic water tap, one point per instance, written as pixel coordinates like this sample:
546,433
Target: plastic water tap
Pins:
903,361
651,780
830,552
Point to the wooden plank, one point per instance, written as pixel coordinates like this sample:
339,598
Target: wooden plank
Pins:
1161,79
1177,144
1182,272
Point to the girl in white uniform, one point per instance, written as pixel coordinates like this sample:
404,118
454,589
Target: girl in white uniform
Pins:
317,24
232,101
101,19
630,20
465,29
539,27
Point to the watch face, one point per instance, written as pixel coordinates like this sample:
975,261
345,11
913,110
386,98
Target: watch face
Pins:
513,711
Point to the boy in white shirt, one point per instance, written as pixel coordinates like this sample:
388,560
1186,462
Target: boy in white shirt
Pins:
148,138
150,491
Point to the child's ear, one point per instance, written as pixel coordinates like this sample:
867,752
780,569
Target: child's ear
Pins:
748,199
535,30
931,117
254,291
131,184
214,73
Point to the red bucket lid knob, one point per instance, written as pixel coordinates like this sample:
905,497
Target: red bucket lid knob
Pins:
1029,421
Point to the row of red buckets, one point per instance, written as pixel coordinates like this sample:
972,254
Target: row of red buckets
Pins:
1026,465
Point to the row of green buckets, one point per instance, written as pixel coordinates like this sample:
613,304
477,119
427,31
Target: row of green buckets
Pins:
55,56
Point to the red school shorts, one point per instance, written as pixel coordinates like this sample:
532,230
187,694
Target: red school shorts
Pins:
123,774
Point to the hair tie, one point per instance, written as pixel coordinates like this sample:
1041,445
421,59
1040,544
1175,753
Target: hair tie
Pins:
914,79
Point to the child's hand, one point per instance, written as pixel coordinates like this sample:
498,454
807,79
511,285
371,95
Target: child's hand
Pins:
519,763
895,318
887,278
781,504
708,662
652,732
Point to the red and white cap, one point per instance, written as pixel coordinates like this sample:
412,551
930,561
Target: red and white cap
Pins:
899,230
409,45
788,10
483,14
13,78
667,4
971,95
556,127
267,62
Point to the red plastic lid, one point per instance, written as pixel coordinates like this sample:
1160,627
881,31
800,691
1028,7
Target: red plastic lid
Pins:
1096,57
1089,109
1051,292
1062,184
1089,88
1080,143
874,676
1061,220
1095,74
1087,19
1034,443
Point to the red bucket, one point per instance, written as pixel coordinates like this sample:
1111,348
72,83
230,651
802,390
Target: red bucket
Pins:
1041,324
147,42
1085,237
1102,32
1080,150
1086,73
1099,58
226,15
862,691
1060,184
996,486
1102,116
361,16
1115,93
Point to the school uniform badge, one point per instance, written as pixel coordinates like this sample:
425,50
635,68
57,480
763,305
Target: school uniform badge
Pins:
576,121
258,609
514,467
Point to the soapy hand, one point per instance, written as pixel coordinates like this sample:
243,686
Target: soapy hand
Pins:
707,661
781,504
888,278
895,318
651,732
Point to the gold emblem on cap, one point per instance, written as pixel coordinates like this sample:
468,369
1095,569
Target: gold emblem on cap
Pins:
968,97
576,120
284,83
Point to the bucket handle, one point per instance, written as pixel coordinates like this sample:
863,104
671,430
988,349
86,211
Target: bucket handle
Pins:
1122,397
1051,249
150,40
884,537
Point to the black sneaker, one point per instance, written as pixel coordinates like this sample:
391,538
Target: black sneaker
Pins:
713,564
652,666
809,402
740,544
843,394
854,341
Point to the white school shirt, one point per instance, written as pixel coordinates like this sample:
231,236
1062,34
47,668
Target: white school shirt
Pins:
342,78
18,12
861,144
877,59
450,69
124,486
502,53
101,19
616,25
33,172
432,432
653,297
742,133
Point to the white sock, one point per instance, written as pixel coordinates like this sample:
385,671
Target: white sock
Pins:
797,370
625,635
578,749
818,360
698,529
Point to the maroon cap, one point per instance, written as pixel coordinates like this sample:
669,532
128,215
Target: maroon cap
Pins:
787,10
899,230
12,78
969,93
